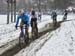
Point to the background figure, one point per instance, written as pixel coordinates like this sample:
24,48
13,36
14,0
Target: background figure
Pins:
39,16
65,15
54,17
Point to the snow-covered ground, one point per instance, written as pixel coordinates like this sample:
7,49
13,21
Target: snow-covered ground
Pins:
60,42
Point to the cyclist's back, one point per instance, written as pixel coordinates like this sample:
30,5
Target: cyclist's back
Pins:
23,18
33,18
65,12
54,14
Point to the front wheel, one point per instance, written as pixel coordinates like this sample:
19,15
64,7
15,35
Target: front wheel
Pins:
22,42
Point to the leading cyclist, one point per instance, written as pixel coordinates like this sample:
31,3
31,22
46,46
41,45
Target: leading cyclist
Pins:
24,20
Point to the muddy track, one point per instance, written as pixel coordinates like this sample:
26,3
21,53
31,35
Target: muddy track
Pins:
17,48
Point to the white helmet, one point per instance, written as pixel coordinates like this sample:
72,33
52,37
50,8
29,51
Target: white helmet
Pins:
21,11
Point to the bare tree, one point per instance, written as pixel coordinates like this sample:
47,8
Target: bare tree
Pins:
8,11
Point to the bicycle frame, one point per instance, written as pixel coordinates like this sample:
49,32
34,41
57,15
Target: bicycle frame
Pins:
23,38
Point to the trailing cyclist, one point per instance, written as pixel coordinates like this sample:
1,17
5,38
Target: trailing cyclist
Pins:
39,16
54,17
24,21
65,15
34,23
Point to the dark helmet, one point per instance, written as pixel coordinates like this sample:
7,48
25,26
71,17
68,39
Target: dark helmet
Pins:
33,12
65,10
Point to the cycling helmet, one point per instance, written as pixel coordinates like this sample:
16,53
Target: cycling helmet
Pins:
21,11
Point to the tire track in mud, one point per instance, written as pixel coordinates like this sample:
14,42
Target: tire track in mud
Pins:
38,46
16,48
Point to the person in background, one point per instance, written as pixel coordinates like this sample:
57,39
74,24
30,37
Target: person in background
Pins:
54,17
39,16
65,15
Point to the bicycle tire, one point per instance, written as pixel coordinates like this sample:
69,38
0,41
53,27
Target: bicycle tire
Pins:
21,43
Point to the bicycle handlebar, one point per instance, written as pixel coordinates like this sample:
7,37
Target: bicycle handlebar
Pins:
23,27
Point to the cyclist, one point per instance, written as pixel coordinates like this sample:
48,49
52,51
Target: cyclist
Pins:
65,15
34,19
54,17
24,20
39,16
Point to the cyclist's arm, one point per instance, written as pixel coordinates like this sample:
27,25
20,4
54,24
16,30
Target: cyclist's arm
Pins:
17,20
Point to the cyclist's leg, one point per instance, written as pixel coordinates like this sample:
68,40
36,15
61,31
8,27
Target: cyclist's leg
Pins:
35,22
36,34
40,17
32,24
54,22
66,17
21,28
26,30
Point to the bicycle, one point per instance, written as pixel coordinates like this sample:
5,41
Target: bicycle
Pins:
23,38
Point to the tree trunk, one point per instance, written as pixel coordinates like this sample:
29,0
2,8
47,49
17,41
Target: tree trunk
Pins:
8,12
14,10
11,11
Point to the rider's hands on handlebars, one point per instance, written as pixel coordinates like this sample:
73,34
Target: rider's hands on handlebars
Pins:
16,26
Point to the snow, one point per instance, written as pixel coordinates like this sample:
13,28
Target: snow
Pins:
3,19
8,33
60,42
